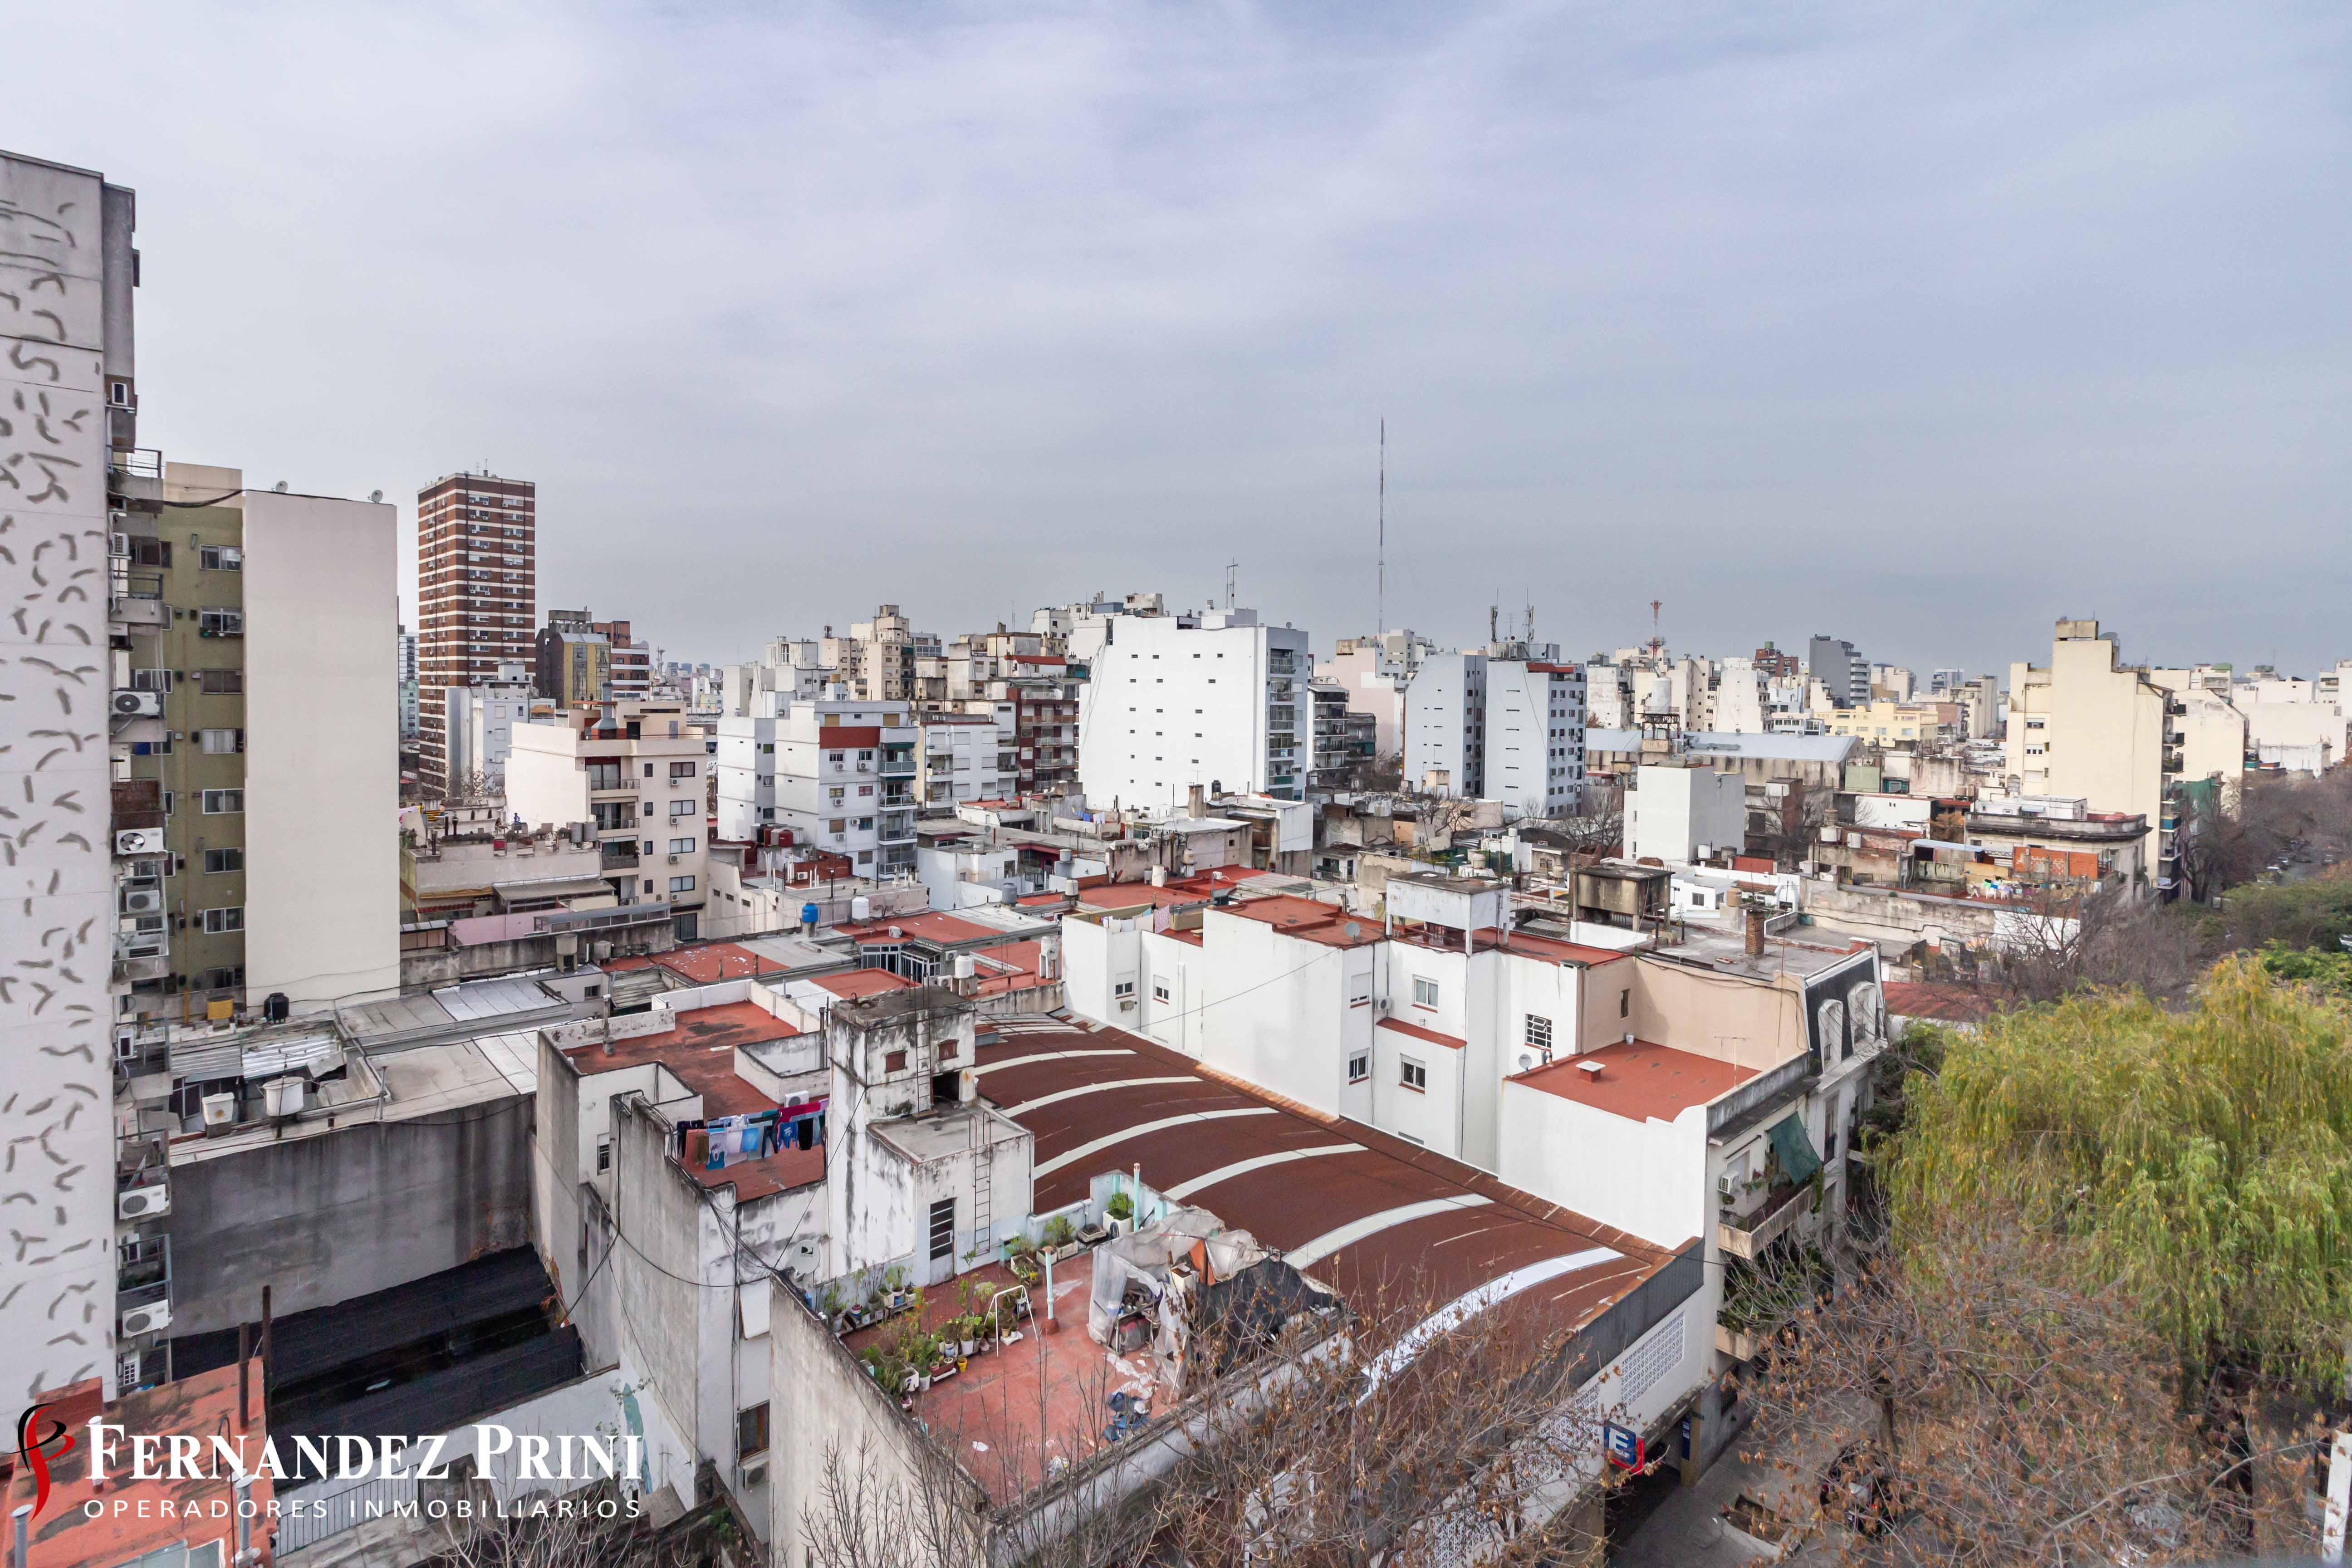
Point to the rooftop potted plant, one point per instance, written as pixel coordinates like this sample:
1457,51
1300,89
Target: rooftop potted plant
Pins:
1120,1209
1061,1237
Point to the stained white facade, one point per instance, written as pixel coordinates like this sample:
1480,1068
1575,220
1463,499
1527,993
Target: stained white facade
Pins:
1534,736
841,771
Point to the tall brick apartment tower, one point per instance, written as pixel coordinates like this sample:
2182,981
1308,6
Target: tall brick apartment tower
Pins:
477,594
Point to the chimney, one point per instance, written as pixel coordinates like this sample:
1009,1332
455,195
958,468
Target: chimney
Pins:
1755,932
1196,803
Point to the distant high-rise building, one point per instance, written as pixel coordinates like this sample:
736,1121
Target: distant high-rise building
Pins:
406,681
1841,666
477,594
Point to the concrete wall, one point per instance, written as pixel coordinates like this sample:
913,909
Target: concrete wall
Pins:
1673,810
324,1220
1287,1035
322,765
1437,732
56,917
1650,1178
667,1315
1172,706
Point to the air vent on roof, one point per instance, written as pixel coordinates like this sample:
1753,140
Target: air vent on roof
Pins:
1589,1067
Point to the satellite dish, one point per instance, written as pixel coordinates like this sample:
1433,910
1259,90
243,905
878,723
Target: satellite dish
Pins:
375,498
279,486
1354,931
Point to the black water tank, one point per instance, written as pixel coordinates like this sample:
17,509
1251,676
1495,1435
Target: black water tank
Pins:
275,1007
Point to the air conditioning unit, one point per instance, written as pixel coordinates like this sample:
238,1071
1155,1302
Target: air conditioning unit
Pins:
144,1202
142,900
754,1473
138,704
146,1320
119,545
138,841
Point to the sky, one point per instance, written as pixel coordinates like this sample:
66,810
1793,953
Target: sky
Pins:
1922,326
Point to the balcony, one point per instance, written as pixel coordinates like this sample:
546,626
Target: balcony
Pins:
620,858
897,764
134,600
142,1262
1744,1235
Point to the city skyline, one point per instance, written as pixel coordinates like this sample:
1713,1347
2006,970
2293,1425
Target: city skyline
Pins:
1930,330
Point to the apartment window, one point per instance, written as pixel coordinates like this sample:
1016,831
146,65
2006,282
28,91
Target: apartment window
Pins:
228,919
1159,989
943,1230
1424,992
220,802
604,1154
219,682
1538,1033
220,558
1123,988
865,789
1359,1066
1625,1002
649,886
648,807
221,743
1412,1075
681,884
681,770
837,827
220,623
219,860
150,680
834,756
751,1431
678,808
681,845
649,769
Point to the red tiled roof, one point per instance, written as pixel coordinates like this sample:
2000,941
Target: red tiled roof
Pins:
1938,1000
1326,923
1640,1081
1450,1042
854,983
708,963
930,924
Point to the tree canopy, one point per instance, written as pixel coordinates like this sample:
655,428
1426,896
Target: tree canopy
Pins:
2202,1156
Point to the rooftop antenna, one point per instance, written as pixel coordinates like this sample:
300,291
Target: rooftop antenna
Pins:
1231,567
1380,595
1494,616
1658,639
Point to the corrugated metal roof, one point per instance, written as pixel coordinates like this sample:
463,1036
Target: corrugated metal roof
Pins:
199,1059
516,1056
489,999
270,1058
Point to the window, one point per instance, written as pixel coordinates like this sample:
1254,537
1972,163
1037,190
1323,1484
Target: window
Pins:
681,884
1123,988
224,920
1159,989
1412,1075
678,808
604,1154
218,802
220,742
751,1431
220,558
220,623
1359,1066
649,769
1424,992
1538,1033
894,1061
150,680
943,1230
219,860
681,845
681,770
1625,1002
219,682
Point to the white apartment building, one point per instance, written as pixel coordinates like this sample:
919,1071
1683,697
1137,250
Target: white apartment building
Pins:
1505,724
1535,736
636,770
1678,814
1216,699
480,722
965,756
1446,726
840,771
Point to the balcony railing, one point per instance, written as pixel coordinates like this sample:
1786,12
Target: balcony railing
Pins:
898,764
1744,1236
621,860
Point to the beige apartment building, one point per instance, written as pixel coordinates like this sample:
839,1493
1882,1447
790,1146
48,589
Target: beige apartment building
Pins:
2088,724
637,771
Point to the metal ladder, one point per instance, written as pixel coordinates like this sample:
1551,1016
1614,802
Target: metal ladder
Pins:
984,1187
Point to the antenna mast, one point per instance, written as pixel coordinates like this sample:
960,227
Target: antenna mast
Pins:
1381,598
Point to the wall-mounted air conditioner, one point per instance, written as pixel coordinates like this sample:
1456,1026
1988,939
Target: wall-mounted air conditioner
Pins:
138,841
142,900
144,1202
128,704
146,1320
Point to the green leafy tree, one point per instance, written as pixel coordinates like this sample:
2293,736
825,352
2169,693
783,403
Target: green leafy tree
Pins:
2201,1157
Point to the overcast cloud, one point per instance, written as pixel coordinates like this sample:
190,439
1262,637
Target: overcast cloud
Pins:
1917,327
